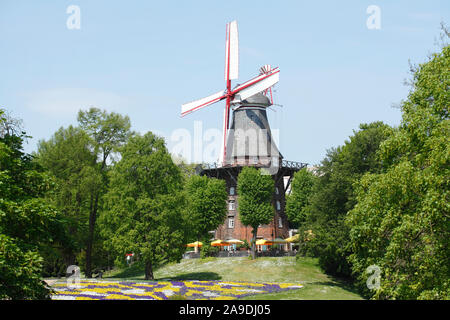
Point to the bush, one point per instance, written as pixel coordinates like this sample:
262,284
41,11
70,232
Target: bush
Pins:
244,245
208,251
20,272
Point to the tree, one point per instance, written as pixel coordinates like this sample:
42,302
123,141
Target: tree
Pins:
67,155
108,131
206,205
20,271
299,199
333,196
27,222
144,209
401,220
10,126
255,192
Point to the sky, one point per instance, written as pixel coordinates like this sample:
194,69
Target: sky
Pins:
341,64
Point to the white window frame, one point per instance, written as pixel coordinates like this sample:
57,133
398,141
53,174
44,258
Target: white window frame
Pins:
231,222
232,191
278,205
231,205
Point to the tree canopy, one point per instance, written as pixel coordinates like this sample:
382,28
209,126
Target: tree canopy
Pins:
298,200
144,204
255,193
27,222
405,210
206,205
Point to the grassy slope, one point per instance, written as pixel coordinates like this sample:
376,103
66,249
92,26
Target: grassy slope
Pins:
305,271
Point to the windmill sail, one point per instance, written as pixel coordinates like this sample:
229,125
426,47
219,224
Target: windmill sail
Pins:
232,52
261,83
255,85
201,103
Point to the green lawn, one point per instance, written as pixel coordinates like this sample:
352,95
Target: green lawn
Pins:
305,271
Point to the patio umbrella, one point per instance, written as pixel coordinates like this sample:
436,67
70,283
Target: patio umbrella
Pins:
263,242
194,244
235,241
219,243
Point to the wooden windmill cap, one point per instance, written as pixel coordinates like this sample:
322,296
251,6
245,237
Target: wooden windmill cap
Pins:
258,100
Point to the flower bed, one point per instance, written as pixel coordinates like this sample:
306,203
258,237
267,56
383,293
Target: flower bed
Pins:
162,290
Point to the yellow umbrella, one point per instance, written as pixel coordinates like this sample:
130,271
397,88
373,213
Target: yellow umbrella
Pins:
194,244
218,243
263,242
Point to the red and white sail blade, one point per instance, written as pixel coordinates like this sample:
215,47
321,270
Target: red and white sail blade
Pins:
201,103
257,84
232,52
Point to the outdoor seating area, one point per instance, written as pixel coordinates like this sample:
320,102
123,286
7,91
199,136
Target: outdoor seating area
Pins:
236,248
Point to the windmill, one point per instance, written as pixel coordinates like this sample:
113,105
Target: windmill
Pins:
261,83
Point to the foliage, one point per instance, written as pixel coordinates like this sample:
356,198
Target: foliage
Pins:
207,250
144,205
333,195
298,200
206,205
255,192
20,272
107,132
28,224
245,245
405,210
68,157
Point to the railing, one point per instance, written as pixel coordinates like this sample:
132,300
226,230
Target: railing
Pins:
284,164
293,164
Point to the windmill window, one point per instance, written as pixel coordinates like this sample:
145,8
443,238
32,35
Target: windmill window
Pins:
280,222
278,205
231,222
231,205
277,191
232,191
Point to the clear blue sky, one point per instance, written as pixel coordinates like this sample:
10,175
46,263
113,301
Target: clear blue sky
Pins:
146,58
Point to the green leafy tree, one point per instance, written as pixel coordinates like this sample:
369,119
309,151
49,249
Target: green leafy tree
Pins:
206,206
20,272
27,222
401,220
333,196
67,155
107,132
145,204
255,193
301,192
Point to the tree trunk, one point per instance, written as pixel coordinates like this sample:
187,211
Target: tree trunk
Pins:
254,232
148,271
92,218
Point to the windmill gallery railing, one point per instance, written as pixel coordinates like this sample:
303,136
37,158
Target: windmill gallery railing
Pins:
284,164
